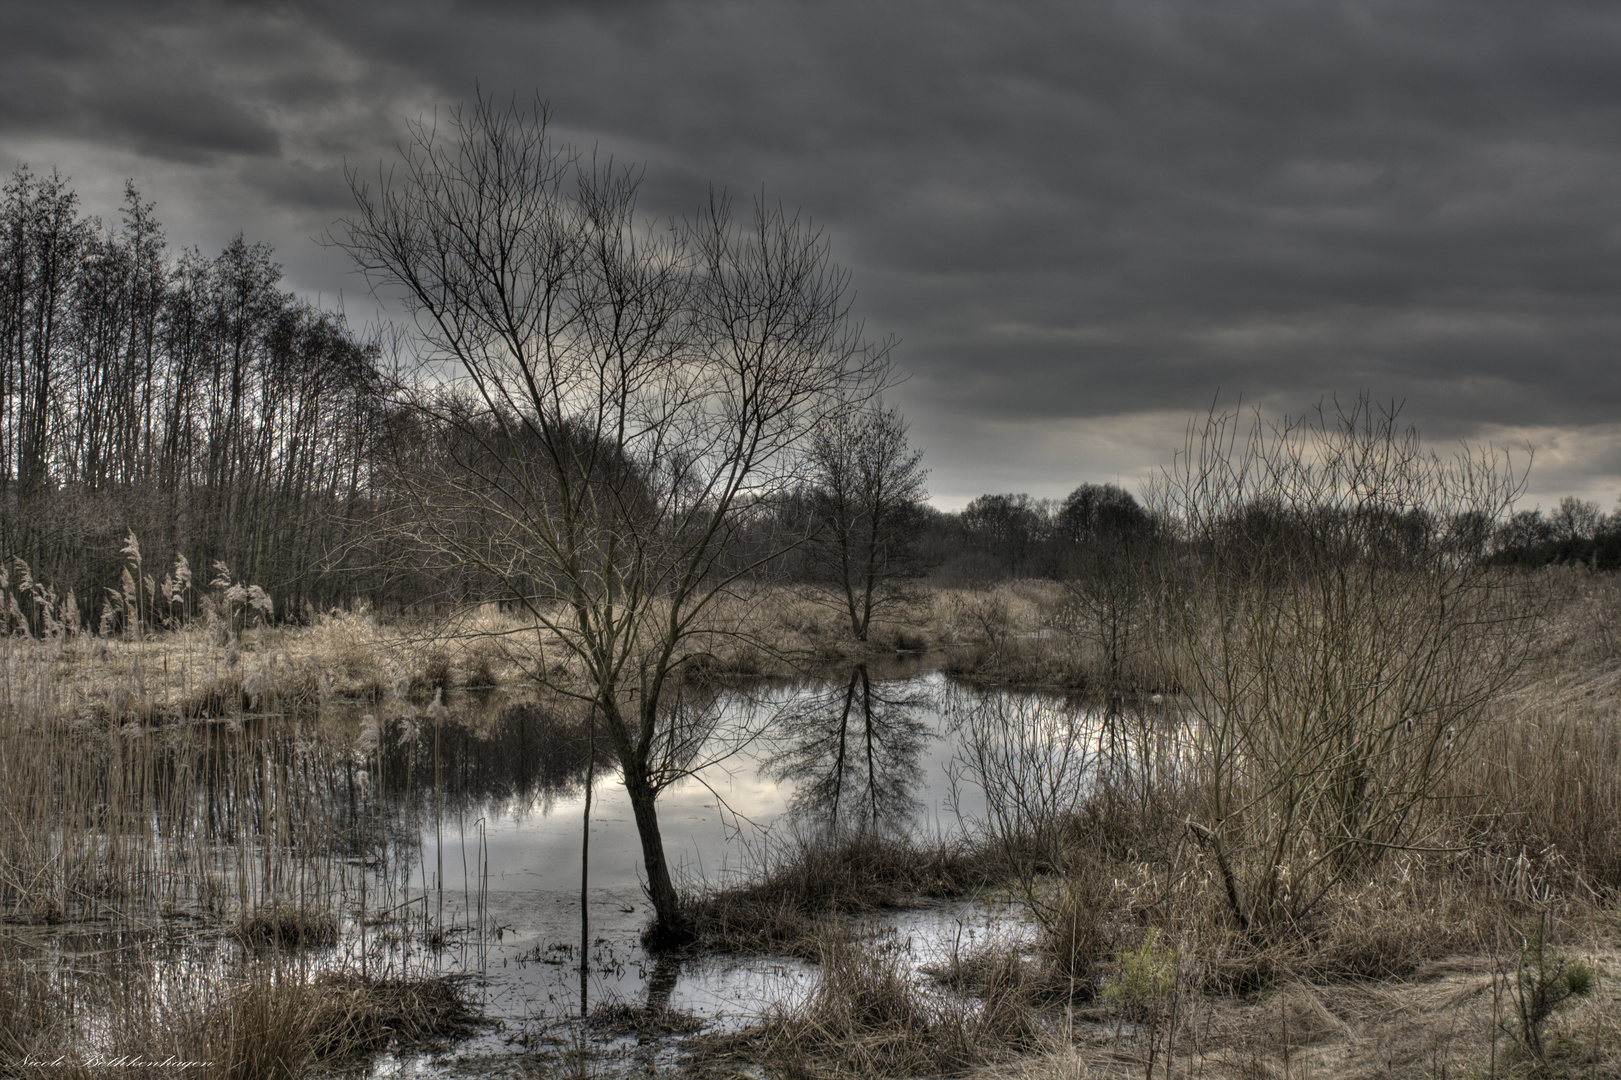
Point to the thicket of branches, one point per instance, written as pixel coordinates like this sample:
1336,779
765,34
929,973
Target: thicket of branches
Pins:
179,396
186,398
1324,602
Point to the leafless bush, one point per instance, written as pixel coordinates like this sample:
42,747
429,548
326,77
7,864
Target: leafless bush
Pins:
1338,637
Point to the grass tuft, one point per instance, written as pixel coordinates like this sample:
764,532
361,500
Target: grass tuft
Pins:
281,926
869,1016
643,1021
780,912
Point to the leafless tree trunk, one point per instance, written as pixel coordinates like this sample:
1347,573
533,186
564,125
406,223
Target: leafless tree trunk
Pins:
618,403
185,399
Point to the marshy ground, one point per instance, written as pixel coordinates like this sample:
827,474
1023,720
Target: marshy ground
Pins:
278,850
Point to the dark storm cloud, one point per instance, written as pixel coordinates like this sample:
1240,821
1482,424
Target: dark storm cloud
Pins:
1071,213
121,76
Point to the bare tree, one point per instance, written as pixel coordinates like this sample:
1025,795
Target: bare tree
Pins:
1011,529
1109,539
1337,637
619,402
867,491
1522,529
1576,519
183,398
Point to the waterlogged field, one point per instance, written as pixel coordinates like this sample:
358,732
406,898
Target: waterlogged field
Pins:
160,871
285,851
494,849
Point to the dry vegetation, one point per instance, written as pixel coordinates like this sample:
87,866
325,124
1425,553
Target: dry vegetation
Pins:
274,1022
1415,970
211,668
868,1016
161,792
786,909
1432,964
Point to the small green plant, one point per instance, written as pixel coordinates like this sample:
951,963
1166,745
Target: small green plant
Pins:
1146,979
1545,981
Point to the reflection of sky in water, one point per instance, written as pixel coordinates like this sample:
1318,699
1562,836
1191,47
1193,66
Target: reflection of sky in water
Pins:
510,798
531,997
716,825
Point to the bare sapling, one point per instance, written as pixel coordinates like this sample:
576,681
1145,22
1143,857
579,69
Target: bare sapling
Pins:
608,408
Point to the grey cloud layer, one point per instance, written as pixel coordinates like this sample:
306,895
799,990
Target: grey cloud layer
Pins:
1066,210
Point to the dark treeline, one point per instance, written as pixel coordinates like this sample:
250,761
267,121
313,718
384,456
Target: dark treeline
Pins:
1576,532
996,537
185,399
175,395
999,537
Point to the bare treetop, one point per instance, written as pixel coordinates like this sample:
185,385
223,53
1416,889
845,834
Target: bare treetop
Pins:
619,400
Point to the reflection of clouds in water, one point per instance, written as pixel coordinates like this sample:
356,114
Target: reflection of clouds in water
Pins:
1034,758
833,755
530,981
510,781
822,753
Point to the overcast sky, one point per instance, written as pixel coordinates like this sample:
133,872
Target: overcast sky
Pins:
1082,219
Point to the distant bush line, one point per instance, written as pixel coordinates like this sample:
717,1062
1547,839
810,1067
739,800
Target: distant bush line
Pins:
186,399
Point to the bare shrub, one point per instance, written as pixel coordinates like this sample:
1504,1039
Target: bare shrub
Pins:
1338,637
1035,759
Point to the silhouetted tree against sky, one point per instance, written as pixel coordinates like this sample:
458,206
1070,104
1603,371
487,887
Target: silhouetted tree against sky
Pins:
1576,519
1107,536
1010,528
623,400
867,489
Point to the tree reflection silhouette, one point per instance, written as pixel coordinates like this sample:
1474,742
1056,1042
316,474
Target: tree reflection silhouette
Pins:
516,756
852,753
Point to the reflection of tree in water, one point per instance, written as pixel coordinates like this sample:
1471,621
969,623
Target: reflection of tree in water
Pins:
853,751
526,755
517,756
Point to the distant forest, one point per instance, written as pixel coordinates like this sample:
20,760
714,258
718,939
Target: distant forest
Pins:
175,395
183,398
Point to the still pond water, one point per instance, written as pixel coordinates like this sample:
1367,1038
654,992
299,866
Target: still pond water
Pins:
492,856
448,838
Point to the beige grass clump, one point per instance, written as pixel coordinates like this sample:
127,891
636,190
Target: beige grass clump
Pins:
869,1016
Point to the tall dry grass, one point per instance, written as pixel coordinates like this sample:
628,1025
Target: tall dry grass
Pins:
271,1021
100,818
1538,795
183,781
